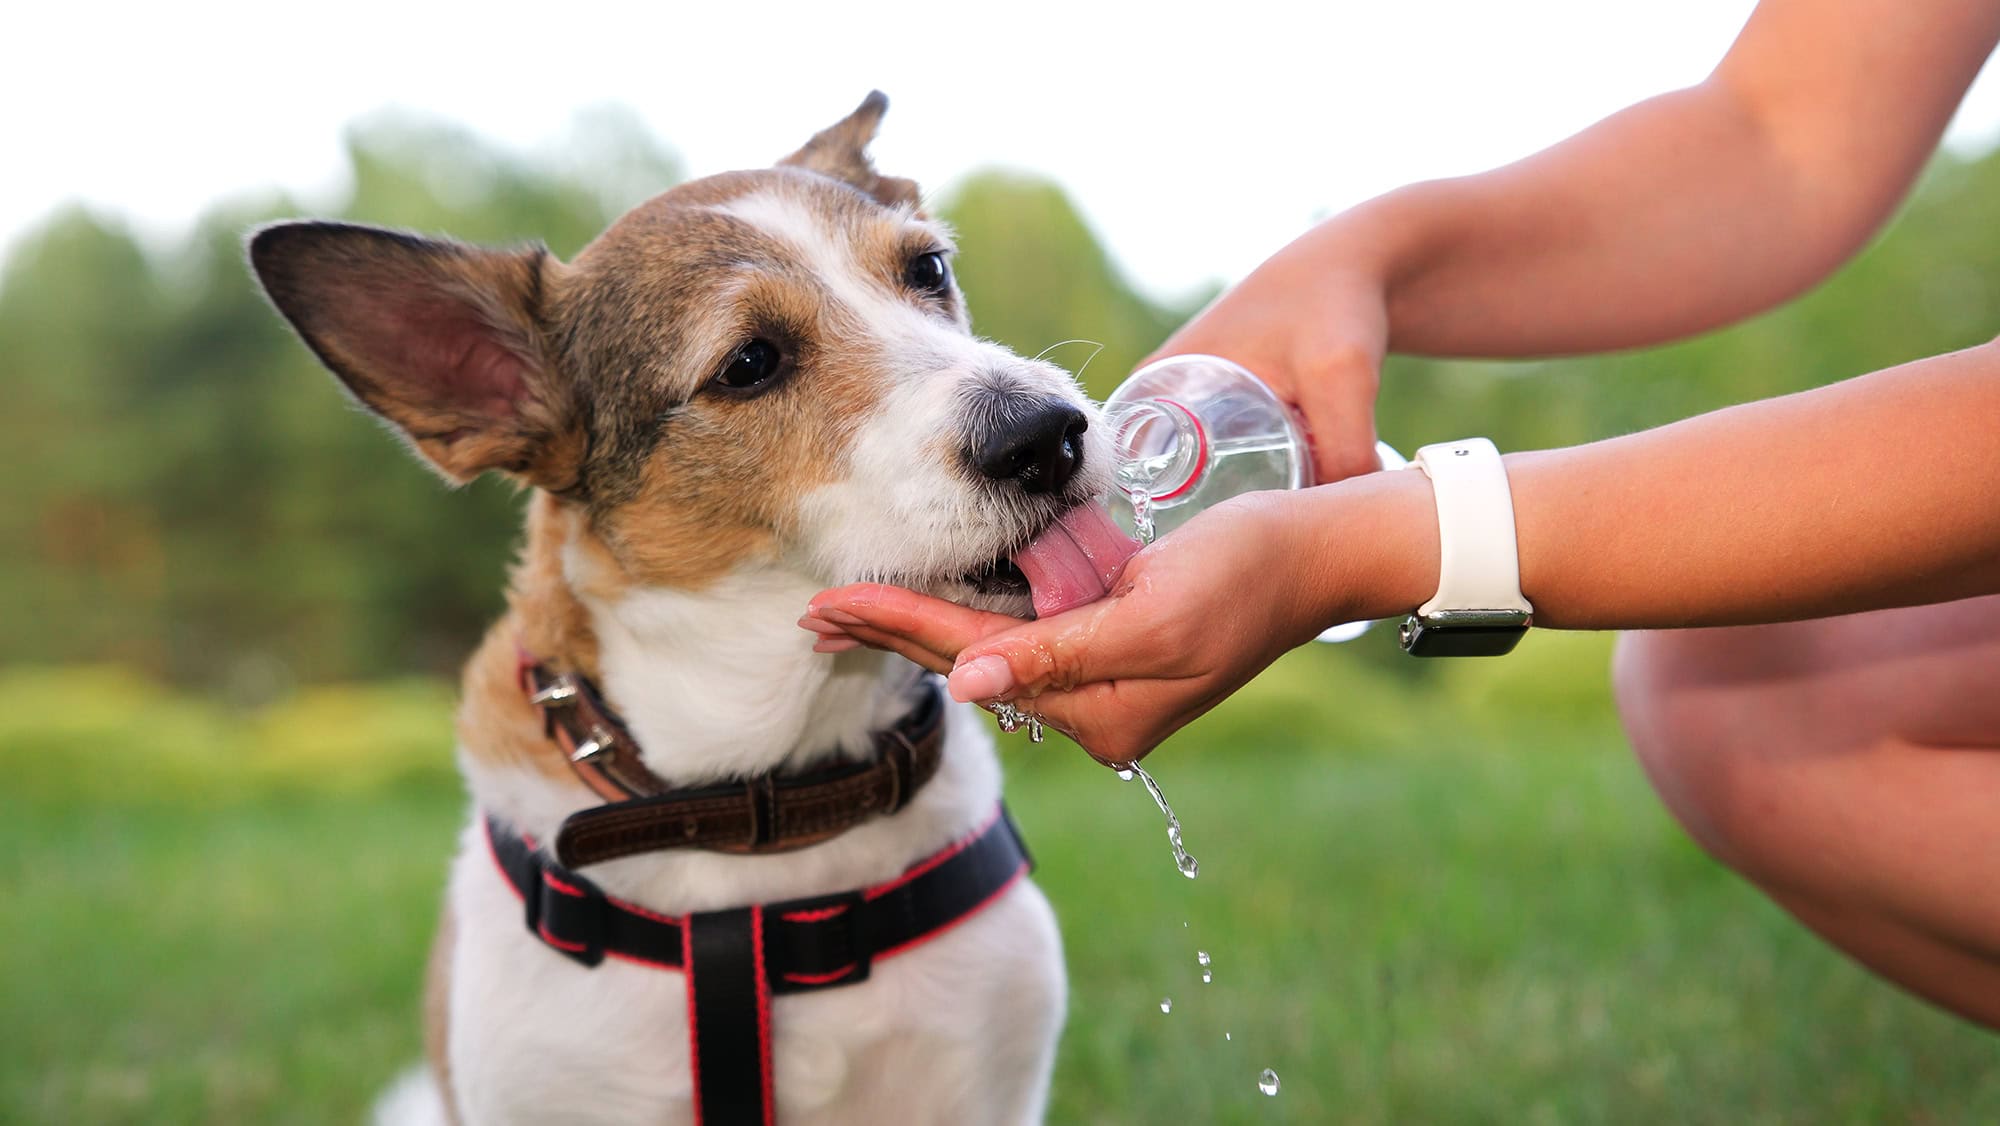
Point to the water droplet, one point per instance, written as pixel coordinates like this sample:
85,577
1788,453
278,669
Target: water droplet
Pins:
1225,1036
1034,728
1268,1082
1166,1004
1201,956
1135,480
1207,976
1124,776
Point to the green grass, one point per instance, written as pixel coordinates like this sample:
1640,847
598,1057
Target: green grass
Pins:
1411,928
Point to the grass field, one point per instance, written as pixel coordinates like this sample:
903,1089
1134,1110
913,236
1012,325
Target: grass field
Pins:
1410,928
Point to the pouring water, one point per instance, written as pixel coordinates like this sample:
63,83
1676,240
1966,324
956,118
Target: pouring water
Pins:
1192,431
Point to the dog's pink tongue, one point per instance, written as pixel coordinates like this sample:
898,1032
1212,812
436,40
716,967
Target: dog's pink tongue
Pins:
1075,560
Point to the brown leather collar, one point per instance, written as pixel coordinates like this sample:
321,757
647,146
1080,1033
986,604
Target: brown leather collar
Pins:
760,814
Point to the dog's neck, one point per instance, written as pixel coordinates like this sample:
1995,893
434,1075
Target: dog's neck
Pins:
712,683
723,683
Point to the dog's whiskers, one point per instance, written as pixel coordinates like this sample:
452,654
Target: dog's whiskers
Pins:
1098,345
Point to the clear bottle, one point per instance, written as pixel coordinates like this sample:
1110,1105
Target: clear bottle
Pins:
1192,431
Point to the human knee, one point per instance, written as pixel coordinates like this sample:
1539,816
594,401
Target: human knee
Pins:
1703,755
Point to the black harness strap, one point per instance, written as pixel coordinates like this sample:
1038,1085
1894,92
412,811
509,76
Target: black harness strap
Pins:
729,1017
736,960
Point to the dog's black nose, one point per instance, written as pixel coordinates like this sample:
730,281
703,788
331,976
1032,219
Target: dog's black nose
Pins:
1039,444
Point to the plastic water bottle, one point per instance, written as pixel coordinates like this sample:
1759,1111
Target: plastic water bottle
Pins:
1192,431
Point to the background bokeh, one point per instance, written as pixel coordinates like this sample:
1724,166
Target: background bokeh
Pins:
231,608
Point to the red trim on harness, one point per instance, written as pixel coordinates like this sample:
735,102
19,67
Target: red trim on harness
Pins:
559,944
694,1039
814,915
567,889
763,1015
948,927
925,865
638,961
625,905
819,979
760,964
810,915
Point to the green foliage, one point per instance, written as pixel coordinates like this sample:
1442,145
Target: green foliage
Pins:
191,494
221,916
1037,280
105,736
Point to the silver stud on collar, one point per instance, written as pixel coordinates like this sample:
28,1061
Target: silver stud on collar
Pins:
560,692
599,742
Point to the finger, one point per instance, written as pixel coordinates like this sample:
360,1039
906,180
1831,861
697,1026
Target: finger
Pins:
835,644
1110,639
939,626
902,646
821,626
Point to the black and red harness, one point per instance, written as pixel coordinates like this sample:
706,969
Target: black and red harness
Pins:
736,960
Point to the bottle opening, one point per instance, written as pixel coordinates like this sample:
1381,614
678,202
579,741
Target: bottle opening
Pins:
1161,447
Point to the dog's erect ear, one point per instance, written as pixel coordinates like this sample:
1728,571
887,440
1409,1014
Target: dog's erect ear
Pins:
841,151
442,340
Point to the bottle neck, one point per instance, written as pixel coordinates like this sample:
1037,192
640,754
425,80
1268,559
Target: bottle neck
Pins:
1162,448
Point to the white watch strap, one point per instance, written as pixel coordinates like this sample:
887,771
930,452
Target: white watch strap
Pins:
1479,560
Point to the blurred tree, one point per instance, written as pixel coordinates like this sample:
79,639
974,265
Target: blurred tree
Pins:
193,498
1036,278
187,494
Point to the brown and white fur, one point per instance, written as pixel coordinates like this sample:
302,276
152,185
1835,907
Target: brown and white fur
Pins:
675,530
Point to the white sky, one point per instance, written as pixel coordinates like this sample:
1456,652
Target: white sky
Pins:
1197,138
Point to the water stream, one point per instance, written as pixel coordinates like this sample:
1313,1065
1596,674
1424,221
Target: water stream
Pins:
1267,1080
1187,864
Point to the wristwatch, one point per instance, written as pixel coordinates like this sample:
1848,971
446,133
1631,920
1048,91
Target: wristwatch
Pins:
1478,610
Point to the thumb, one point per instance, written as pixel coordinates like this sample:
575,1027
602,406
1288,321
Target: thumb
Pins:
1110,639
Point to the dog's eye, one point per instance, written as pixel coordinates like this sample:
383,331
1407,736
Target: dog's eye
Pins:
928,273
752,364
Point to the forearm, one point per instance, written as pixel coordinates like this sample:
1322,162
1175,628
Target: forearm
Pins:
1880,491
1671,217
1686,211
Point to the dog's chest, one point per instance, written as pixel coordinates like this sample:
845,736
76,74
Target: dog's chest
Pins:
535,1037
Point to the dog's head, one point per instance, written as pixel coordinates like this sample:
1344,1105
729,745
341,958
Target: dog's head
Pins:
768,366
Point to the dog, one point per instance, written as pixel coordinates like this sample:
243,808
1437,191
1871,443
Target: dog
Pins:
752,387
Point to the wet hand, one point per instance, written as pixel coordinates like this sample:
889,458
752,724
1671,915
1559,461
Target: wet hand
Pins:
1191,619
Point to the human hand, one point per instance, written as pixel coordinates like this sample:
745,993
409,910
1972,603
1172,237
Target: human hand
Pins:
1191,619
1312,322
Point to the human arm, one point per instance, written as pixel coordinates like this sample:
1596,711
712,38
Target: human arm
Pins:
1679,214
1880,491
